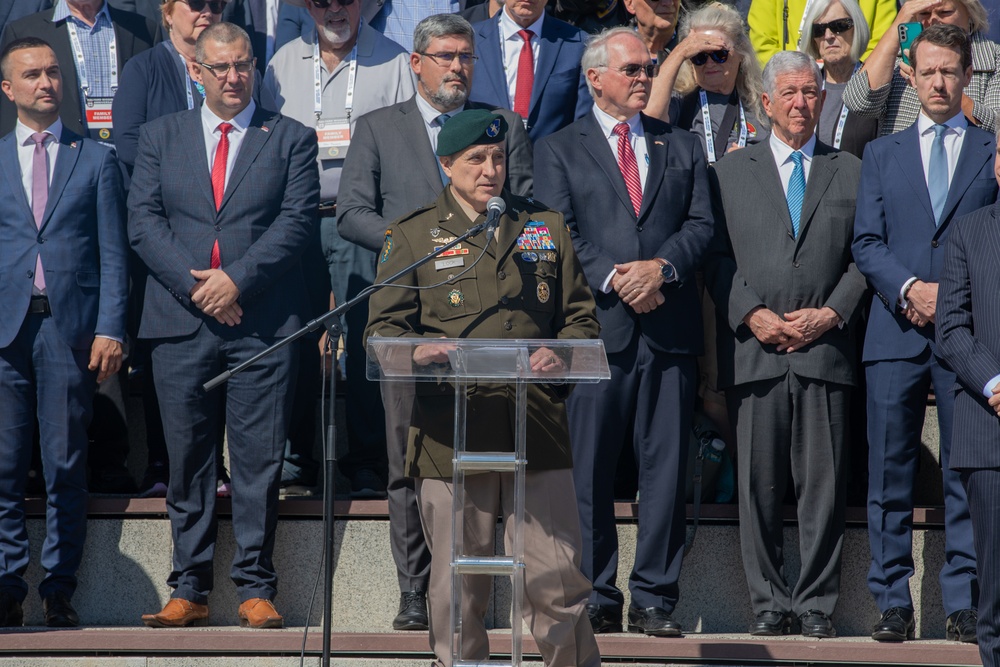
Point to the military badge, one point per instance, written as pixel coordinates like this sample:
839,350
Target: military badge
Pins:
548,256
529,256
456,298
386,246
494,128
542,292
435,232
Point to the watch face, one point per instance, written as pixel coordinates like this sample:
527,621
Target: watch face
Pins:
668,271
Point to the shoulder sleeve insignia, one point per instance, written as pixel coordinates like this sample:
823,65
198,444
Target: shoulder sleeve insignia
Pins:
386,246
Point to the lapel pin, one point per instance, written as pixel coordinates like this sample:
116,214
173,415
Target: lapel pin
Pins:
73,145
658,143
265,128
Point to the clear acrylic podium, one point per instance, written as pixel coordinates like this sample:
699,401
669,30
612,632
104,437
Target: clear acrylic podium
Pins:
481,360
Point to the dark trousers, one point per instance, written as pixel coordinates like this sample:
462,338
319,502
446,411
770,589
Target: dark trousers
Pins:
983,490
654,393
897,398
796,425
41,376
257,407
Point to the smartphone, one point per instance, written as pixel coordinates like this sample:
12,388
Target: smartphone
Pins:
907,33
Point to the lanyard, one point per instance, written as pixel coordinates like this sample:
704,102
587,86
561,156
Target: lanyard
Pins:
839,134
81,65
802,24
352,75
706,120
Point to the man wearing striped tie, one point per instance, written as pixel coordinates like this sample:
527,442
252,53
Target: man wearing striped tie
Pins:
785,286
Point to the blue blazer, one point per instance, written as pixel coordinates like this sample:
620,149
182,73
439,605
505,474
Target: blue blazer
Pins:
559,95
968,333
82,242
266,219
577,174
895,237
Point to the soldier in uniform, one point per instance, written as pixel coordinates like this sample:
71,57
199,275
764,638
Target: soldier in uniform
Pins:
529,284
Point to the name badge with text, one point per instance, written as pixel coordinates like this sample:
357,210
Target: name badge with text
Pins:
334,137
99,122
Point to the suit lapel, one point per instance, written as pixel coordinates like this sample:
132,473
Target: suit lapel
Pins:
766,173
492,64
412,133
198,167
257,135
657,146
911,166
974,154
821,173
548,54
12,172
596,144
125,39
66,157
71,113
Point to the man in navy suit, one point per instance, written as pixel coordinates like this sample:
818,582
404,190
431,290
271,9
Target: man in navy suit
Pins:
63,294
636,197
529,62
222,204
913,184
968,338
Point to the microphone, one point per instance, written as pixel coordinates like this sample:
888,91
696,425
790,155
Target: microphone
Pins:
494,209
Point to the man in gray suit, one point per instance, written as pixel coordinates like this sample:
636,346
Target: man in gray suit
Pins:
782,276
390,171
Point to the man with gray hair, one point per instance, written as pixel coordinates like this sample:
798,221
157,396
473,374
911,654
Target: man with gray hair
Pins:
390,171
640,248
785,286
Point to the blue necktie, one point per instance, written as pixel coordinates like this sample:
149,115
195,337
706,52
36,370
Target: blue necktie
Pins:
796,192
440,121
937,173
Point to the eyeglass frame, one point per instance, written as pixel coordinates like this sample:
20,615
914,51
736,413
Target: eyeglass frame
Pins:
649,69
325,4
719,57
464,58
819,29
217,67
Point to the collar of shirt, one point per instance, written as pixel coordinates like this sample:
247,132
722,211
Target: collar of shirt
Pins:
429,113
62,12
240,122
956,122
783,152
608,122
23,133
509,29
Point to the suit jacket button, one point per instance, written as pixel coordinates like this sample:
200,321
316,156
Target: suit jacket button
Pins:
502,275
796,264
30,274
639,228
41,239
218,229
504,300
508,326
934,243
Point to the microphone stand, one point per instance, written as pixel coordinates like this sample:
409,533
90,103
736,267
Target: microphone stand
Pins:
331,320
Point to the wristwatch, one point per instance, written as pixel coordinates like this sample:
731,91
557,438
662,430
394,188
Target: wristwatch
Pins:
666,270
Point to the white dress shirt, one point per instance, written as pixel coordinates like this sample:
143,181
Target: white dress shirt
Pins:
210,129
638,140
782,153
510,46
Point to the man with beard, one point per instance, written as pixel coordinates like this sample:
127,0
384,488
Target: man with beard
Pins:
390,171
327,80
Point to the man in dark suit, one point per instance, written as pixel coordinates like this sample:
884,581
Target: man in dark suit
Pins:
391,170
221,220
529,62
968,340
12,10
785,285
913,184
635,194
62,225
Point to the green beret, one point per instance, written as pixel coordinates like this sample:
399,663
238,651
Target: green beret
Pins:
469,128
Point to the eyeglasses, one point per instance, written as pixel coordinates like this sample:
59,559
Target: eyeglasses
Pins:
221,70
632,70
323,4
445,59
720,56
836,26
215,6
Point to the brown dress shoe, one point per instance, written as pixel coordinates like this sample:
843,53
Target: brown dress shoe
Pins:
259,613
178,613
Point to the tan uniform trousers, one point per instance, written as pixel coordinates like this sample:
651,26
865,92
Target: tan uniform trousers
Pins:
556,592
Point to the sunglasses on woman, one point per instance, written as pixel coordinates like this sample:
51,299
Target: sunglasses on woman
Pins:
836,26
198,6
720,56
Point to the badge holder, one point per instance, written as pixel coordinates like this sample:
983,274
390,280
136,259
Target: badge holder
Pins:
331,321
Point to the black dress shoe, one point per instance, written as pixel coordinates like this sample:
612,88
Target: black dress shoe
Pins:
817,624
11,615
896,625
771,624
961,626
603,619
412,611
59,613
655,621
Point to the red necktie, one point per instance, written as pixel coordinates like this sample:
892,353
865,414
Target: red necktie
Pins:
525,75
628,166
219,181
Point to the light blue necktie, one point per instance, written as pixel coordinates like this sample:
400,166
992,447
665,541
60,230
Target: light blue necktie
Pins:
937,173
796,192
440,121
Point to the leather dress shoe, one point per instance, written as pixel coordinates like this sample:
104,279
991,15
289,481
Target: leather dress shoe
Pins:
896,625
771,624
259,613
59,613
961,626
11,615
603,619
412,613
178,613
816,624
655,621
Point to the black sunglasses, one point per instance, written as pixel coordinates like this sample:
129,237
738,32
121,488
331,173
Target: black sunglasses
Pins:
323,4
720,56
632,70
836,26
215,6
